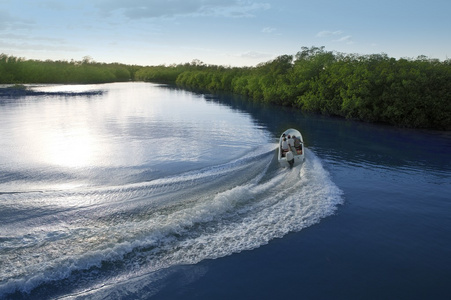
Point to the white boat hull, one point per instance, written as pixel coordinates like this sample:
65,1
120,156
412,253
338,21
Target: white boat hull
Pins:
298,153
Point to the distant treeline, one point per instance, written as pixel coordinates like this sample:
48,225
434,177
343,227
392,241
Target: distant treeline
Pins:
18,70
413,93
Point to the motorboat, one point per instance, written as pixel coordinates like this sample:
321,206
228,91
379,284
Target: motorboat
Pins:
294,154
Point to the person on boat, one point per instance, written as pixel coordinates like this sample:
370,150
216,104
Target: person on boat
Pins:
283,137
285,147
297,142
297,145
290,142
290,158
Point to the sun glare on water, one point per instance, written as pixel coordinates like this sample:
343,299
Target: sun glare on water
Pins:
72,148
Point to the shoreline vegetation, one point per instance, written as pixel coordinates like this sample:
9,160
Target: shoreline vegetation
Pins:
20,90
412,93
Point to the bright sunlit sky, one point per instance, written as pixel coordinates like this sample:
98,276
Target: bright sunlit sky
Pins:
221,32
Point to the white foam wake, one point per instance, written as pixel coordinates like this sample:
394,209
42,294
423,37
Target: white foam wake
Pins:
138,229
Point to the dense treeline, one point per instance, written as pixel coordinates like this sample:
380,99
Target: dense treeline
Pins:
412,93
375,88
19,70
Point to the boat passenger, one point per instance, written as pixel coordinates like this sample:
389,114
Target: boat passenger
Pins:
290,142
297,145
297,142
290,158
284,146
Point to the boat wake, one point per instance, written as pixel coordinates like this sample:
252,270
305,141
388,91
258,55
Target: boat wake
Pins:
99,242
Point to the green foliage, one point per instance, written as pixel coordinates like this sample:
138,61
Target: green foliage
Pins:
412,93
19,70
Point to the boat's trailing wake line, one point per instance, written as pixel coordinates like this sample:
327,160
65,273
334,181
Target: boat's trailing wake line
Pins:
139,229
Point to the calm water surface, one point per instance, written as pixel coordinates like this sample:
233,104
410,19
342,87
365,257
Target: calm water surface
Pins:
146,191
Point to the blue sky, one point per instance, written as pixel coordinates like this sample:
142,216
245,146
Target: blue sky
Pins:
221,32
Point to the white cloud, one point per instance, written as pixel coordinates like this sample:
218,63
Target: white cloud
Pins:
53,5
7,21
140,9
268,30
256,55
345,39
16,46
327,33
336,35
24,37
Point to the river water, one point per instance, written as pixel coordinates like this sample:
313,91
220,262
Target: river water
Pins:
139,191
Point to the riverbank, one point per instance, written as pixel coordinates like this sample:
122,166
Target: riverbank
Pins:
21,91
408,93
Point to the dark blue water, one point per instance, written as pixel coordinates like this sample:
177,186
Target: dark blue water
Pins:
146,191
389,240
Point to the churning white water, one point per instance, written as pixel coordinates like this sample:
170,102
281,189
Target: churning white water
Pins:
145,227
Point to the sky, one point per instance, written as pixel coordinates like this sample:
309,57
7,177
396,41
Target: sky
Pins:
220,32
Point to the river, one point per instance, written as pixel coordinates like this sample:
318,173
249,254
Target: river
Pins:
138,190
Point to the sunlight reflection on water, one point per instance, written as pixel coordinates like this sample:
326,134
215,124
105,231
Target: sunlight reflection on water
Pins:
127,128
